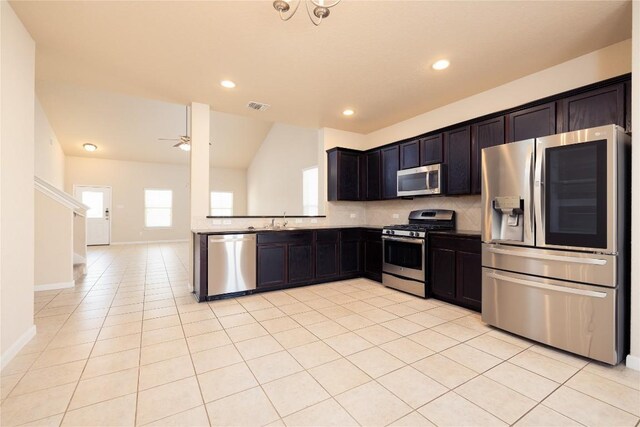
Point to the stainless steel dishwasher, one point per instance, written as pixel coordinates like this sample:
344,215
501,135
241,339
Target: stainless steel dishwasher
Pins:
232,263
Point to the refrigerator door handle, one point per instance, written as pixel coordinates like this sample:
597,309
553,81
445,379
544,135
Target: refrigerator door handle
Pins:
575,260
556,288
528,198
538,196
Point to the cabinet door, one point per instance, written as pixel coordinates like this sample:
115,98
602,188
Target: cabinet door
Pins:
350,257
410,154
458,155
532,122
300,262
483,135
343,174
390,165
272,265
431,150
443,272
326,259
594,108
469,279
348,176
373,257
373,182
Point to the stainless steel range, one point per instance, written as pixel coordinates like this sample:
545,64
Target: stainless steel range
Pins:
404,249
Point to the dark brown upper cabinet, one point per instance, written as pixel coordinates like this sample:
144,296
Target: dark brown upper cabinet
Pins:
594,108
410,154
483,135
457,144
343,174
373,183
390,158
431,150
532,122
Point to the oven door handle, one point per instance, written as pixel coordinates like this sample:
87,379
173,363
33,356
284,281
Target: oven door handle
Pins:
404,239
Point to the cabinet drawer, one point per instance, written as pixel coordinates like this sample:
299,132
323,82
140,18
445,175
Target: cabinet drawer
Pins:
327,236
455,243
285,237
350,235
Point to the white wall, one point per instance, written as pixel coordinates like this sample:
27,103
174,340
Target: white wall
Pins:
274,177
633,360
49,157
17,77
233,180
128,181
593,67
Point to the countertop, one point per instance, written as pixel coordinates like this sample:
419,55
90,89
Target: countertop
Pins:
458,233
267,230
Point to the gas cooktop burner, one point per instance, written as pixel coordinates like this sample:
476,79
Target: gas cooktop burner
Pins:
422,221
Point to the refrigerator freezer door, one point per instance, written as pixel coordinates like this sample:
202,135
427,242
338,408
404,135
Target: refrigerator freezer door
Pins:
507,185
581,267
581,319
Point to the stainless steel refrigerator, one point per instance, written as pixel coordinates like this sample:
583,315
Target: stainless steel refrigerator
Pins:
556,240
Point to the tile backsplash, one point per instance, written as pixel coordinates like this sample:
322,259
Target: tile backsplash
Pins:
385,212
467,210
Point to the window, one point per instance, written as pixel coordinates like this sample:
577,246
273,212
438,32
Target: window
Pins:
221,203
310,191
95,201
157,208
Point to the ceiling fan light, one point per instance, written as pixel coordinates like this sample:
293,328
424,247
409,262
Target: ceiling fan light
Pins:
185,146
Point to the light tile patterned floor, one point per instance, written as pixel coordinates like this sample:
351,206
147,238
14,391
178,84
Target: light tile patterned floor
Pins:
129,345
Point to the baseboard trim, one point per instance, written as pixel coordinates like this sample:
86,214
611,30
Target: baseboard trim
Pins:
146,242
54,286
11,352
633,362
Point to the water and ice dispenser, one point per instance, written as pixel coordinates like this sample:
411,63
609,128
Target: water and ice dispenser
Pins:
508,218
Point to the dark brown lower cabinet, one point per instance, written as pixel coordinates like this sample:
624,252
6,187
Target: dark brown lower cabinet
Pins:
272,265
373,255
327,254
350,252
455,267
300,263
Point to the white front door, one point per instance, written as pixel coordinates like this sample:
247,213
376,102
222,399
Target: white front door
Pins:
99,214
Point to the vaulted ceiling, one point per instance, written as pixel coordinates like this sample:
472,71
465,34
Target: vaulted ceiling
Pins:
372,56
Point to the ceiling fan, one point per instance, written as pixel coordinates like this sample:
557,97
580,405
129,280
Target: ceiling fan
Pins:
183,141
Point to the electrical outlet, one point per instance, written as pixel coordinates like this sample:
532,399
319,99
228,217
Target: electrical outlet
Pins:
352,215
227,222
216,221
314,221
298,220
395,216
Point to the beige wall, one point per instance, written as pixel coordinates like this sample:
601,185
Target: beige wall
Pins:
53,245
274,177
599,65
128,181
17,76
49,157
234,180
633,360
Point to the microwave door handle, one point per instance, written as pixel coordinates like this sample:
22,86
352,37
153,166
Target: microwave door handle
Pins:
428,174
538,195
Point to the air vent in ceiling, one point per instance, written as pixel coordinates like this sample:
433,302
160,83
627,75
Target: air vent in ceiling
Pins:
258,106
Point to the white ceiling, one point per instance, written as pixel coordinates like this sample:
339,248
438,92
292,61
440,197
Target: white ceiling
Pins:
128,128
373,56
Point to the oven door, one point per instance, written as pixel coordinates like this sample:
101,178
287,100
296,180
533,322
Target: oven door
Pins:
575,190
404,257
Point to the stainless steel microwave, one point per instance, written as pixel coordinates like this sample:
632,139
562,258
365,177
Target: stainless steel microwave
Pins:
422,181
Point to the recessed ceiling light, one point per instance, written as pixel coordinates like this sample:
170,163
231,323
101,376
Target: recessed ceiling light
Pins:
228,84
89,147
440,65
348,112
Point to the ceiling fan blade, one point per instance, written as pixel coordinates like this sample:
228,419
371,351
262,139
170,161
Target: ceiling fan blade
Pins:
178,144
168,139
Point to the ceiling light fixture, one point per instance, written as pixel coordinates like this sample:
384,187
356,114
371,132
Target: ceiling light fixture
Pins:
348,112
320,9
440,65
90,147
184,146
228,84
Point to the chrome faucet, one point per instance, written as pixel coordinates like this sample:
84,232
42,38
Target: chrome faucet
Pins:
273,223
284,219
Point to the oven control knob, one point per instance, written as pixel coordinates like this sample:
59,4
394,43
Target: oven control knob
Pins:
413,233
392,232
